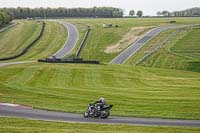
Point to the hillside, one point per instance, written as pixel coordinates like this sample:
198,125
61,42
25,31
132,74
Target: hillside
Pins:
51,41
15,39
164,85
181,52
104,44
136,91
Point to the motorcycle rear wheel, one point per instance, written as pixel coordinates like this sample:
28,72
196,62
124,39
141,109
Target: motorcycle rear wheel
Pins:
104,116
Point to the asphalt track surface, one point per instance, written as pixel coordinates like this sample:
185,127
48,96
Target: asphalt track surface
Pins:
71,41
18,111
8,27
15,63
131,50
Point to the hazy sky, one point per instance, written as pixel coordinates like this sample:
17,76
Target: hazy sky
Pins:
149,7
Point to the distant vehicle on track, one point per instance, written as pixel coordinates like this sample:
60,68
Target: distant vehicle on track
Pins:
171,21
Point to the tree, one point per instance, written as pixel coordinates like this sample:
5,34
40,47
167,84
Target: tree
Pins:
131,13
5,18
139,13
1,19
117,14
166,13
104,12
159,13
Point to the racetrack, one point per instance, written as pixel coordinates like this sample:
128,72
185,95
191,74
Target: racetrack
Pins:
19,111
8,27
131,50
15,63
9,110
71,41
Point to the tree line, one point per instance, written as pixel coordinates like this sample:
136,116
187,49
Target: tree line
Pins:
5,18
139,13
103,12
192,12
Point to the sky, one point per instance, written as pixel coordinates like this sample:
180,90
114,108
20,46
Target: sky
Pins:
149,7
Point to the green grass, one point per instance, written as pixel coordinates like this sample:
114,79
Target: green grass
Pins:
189,45
152,44
15,39
15,125
100,38
134,91
52,40
182,52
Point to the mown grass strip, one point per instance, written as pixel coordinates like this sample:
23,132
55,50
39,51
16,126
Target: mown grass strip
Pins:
134,91
13,125
180,53
28,47
53,38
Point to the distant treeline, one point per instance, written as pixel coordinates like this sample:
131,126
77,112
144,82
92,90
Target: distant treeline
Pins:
103,12
5,18
192,12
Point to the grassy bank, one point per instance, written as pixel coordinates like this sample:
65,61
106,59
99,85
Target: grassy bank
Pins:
182,52
15,39
101,38
52,40
13,125
134,91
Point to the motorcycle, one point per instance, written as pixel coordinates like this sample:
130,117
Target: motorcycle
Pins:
95,111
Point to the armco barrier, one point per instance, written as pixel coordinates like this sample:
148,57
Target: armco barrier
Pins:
28,47
83,42
77,61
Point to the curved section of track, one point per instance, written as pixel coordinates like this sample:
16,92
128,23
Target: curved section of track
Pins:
12,110
71,41
131,50
8,27
15,63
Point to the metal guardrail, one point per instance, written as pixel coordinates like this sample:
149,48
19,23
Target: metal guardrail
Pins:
83,42
74,61
28,47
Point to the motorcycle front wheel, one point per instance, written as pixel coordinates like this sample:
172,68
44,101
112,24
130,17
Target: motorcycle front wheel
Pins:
86,114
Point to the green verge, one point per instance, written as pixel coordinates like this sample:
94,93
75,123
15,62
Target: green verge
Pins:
15,125
189,45
134,91
15,39
152,44
53,39
100,38
182,52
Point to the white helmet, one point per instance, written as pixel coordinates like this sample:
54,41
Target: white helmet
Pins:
102,99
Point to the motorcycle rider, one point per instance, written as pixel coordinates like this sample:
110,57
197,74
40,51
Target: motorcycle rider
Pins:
99,108
100,104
